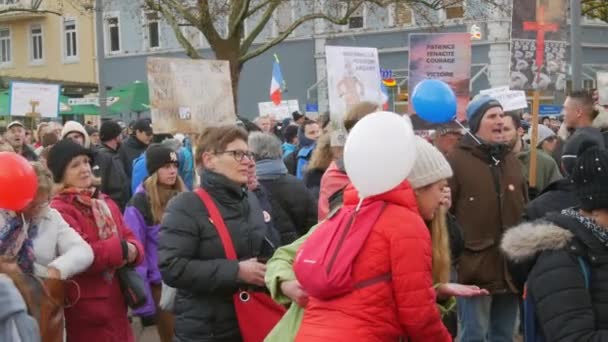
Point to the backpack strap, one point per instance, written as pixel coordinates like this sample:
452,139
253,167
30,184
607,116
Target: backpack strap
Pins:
218,222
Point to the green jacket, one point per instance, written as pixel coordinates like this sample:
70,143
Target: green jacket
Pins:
278,269
547,170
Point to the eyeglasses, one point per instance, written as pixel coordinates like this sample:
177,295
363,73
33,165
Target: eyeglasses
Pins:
239,155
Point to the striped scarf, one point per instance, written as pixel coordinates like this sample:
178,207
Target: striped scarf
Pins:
106,227
16,240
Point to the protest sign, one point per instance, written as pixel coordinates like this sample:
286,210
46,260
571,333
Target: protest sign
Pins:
353,75
34,99
539,26
509,99
280,112
442,56
188,95
602,88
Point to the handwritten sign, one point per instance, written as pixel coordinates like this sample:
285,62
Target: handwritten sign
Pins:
509,99
188,95
36,100
280,112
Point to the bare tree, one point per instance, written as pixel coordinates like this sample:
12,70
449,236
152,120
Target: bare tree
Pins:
55,7
236,45
597,9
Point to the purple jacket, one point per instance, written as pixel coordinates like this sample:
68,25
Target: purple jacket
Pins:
139,219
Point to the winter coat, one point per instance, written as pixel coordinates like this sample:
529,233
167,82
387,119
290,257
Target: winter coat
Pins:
399,244
487,199
114,180
297,161
547,170
138,217
15,323
192,258
556,197
312,179
59,246
334,180
129,150
139,172
28,153
293,207
186,167
288,148
565,309
100,313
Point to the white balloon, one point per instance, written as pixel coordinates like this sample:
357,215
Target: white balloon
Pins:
380,152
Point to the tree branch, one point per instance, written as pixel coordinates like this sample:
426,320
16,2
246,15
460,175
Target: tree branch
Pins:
237,20
205,23
258,7
273,5
172,21
28,10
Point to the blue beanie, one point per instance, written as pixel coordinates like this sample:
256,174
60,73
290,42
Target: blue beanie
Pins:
477,108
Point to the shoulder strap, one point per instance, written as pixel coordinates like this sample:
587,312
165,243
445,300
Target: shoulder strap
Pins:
586,271
218,223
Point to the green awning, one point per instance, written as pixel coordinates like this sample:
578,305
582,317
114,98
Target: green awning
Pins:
130,98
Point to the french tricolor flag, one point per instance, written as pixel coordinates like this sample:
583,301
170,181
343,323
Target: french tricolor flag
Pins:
277,82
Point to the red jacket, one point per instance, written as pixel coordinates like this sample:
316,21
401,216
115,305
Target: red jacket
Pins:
99,313
399,243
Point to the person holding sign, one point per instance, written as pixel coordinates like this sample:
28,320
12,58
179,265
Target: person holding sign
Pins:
489,193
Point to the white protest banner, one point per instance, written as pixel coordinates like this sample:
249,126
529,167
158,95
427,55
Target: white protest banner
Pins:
509,99
280,112
353,75
94,100
602,88
34,99
188,95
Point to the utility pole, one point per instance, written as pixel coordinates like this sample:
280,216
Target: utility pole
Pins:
99,33
576,53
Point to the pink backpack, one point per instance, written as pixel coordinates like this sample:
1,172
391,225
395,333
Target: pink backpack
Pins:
323,265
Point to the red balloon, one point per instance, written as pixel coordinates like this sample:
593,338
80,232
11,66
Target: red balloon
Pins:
18,182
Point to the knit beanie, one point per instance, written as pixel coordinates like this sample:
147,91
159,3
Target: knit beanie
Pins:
109,130
158,155
430,165
544,133
477,108
577,143
61,154
591,178
74,126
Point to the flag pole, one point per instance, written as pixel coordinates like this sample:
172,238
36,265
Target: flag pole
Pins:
534,139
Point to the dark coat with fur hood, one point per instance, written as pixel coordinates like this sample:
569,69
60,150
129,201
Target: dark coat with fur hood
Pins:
566,310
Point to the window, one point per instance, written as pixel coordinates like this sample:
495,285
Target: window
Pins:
113,34
71,38
357,19
401,15
5,45
36,40
153,29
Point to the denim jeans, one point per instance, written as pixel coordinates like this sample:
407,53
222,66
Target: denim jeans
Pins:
487,319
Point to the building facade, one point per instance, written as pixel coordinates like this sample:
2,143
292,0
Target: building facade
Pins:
132,34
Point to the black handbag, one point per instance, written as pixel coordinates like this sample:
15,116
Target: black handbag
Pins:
133,287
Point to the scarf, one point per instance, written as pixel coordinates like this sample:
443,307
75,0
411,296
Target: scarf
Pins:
270,169
16,240
106,227
598,232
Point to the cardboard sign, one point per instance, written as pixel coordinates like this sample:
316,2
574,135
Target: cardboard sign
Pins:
602,88
37,100
188,95
280,112
509,99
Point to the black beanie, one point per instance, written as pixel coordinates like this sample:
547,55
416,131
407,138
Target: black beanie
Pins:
61,154
591,179
109,130
158,155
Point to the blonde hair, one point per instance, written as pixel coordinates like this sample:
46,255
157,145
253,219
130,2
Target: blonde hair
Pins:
160,196
45,179
440,238
322,156
358,112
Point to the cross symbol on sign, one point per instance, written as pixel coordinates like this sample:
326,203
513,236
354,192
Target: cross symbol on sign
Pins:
541,29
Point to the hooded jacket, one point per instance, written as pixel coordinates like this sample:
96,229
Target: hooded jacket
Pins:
399,244
129,150
549,251
487,199
556,197
334,180
73,126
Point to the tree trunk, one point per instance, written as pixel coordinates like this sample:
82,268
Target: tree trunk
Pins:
230,50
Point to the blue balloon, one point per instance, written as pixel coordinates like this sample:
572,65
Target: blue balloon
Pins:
434,101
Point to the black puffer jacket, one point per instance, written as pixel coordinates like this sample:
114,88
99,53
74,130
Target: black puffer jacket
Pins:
565,309
192,258
130,149
556,197
114,181
294,209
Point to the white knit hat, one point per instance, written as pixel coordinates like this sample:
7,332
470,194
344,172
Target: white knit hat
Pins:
544,133
430,166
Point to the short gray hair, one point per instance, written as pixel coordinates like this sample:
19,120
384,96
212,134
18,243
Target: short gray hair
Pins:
265,146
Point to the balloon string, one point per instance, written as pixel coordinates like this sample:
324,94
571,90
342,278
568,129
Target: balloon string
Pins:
359,205
467,131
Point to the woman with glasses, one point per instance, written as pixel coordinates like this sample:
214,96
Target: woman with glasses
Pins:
38,238
100,314
191,255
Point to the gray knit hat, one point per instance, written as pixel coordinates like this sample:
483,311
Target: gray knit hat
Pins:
430,166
